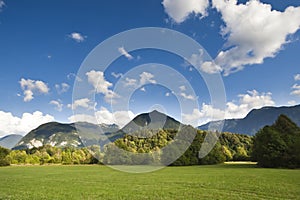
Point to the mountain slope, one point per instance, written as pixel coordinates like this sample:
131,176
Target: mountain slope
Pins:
56,134
257,119
10,141
147,121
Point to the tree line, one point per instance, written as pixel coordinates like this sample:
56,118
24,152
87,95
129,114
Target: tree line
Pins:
273,146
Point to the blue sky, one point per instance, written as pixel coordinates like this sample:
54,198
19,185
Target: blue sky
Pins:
254,45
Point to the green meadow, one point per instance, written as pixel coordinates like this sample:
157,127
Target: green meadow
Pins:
226,181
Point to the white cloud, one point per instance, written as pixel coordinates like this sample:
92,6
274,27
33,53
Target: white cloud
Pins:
116,75
210,67
58,104
297,77
62,88
83,103
30,87
72,75
143,89
78,37
180,10
14,125
197,61
130,82
97,79
247,102
188,97
2,4
292,102
296,90
120,118
146,77
182,88
167,94
253,31
125,53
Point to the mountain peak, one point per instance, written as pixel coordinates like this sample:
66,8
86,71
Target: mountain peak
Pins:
156,112
258,118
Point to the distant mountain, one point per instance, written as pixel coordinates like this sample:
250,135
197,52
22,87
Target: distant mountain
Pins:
147,121
257,119
10,141
78,134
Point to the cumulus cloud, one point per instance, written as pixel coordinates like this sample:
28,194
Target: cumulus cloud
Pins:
116,75
188,97
183,94
30,87
78,37
125,53
58,104
182,88
297,77
101,85
62,88
292,102
179,10
11,124
296,90
247,102
253,31
104,116
143,89
146,77
83,103
197,60
210,67
74,76
130,82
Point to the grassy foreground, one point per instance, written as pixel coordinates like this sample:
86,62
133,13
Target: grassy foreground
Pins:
228,181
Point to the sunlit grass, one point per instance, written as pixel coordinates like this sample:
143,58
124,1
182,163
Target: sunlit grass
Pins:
239,181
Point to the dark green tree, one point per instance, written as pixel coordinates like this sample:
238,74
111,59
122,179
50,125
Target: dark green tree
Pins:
3,153
278,145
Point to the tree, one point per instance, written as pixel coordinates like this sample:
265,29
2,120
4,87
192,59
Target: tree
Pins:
278,145
3,153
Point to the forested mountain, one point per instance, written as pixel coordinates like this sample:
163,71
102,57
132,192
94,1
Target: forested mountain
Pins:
257,119
147,121
10,141
78,134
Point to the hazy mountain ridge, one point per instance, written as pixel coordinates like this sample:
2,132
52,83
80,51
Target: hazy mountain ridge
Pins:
257,119
9,141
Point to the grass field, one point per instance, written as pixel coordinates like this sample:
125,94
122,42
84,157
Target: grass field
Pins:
228,181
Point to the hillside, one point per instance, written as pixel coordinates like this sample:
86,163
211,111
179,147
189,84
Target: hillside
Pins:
10,141
147,121
78,134
257,119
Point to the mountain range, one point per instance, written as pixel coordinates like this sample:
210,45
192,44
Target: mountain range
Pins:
10,141
257,119
86,134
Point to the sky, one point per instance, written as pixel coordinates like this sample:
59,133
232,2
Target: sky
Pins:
248,57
